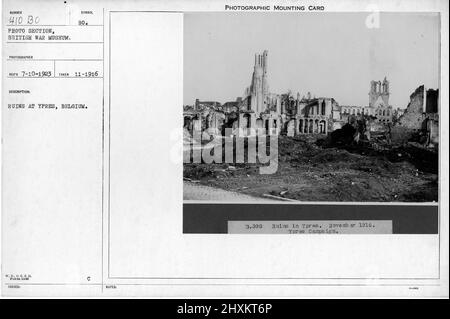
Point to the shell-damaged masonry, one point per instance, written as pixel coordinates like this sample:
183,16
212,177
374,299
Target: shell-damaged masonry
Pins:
285,146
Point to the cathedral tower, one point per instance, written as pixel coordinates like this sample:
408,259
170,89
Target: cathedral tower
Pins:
379,93
259,88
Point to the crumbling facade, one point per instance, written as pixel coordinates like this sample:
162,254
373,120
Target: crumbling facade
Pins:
260,110
423,103
379,93
310,115
270,113
378,107
421,117
259,88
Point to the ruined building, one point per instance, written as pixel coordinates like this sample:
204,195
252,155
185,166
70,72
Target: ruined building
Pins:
202,105
310,115
379,93
262,112
379,100
378,103
420,117
270,113
259,88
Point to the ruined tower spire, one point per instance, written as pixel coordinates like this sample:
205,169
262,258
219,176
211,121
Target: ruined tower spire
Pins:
385,85
265,53
259,88
265,85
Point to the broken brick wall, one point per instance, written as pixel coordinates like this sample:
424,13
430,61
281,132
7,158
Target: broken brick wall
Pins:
413,118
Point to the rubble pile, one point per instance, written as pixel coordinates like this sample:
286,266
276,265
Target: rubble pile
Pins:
309,170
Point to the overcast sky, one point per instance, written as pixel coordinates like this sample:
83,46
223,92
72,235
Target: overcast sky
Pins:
328,54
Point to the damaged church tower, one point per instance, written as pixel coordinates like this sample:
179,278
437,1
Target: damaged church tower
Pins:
260,110
259,86
379,101
379,93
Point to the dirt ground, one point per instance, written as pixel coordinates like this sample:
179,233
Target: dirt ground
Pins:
310,171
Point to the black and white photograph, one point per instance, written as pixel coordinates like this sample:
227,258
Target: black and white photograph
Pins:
316,107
